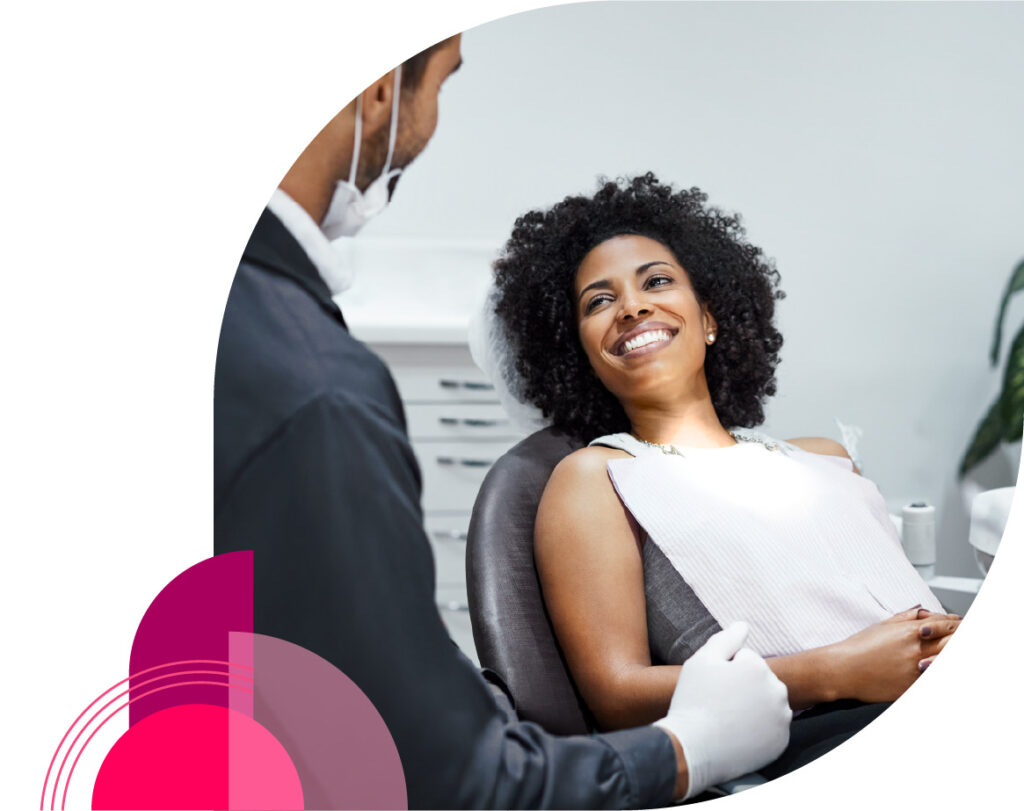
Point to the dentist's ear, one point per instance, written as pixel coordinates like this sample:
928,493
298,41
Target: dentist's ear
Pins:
377,103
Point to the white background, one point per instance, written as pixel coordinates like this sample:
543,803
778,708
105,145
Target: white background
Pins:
139,146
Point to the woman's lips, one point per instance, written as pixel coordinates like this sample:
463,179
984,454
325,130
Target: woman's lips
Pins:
644,339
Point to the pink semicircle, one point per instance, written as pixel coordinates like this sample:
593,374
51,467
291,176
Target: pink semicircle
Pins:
196,756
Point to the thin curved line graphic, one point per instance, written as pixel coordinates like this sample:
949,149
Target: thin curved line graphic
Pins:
56,781
42,801
71,771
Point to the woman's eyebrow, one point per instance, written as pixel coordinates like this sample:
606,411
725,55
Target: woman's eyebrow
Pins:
604,284
644,267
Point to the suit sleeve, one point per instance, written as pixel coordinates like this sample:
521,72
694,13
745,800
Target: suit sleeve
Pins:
330,506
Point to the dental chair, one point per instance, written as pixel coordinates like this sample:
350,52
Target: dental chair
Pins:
511,627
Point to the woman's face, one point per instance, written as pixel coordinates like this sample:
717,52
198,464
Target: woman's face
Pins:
640,323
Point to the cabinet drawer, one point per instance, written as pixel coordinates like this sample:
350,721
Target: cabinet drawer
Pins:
453,471
459,421
428,373
443,384
447,534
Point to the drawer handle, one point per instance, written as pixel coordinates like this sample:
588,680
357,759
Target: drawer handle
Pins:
450,535
451,461
472,422
455,605
469,385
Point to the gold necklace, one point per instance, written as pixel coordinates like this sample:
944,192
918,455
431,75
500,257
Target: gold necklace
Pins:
673,450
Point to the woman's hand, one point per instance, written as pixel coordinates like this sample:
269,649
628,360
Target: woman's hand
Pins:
882,661
935,634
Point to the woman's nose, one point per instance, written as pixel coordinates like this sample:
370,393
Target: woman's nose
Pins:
632,306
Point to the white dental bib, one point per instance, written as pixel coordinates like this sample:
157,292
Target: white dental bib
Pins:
794,543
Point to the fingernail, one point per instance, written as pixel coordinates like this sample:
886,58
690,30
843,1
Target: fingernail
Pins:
956,616
926,631
923,665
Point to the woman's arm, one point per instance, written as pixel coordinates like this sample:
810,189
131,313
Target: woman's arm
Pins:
591,573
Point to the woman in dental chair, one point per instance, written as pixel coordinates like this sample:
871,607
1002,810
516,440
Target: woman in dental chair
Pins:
641,321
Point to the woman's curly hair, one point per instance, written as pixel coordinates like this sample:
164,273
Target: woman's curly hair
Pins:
535,277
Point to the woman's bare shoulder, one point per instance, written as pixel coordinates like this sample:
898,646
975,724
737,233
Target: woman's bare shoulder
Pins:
581,515
581,478
592,458
821,445
589,462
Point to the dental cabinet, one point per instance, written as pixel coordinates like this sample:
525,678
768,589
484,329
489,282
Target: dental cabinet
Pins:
458,429
410,303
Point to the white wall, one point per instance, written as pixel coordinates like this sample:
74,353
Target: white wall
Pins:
874,150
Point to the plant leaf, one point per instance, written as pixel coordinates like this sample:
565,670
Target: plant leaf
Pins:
987,437
1011,401
1016,284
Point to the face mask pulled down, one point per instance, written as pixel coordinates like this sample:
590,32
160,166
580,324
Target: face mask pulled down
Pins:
350,209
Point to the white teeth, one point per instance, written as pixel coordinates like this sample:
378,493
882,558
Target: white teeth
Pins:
646,338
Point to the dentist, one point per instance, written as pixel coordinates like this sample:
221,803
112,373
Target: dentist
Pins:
314,472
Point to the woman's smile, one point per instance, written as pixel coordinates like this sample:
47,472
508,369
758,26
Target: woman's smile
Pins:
644,339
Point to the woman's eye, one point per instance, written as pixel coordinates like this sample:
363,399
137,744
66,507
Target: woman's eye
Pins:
595,302
658,281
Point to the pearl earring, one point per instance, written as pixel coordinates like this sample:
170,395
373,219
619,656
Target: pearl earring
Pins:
711,337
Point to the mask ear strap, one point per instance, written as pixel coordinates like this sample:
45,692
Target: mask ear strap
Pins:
392,135
359,141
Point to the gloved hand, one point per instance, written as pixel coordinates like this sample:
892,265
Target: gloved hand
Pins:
729,712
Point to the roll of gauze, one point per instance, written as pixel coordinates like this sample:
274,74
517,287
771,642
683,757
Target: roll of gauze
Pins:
919,533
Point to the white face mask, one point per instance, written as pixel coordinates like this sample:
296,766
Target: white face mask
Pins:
350,208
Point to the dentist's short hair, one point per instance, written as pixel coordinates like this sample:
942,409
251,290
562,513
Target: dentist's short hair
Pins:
414,67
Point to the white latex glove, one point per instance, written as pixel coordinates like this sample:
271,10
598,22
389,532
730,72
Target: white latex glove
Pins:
729,712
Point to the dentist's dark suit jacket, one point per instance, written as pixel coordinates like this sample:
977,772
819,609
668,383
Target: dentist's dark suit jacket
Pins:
314,472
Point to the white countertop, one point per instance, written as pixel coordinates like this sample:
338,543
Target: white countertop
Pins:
410,290
408,332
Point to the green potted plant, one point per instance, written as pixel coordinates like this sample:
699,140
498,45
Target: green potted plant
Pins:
1004,421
